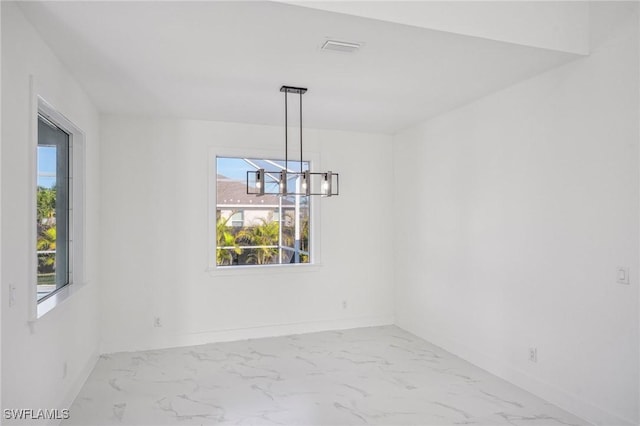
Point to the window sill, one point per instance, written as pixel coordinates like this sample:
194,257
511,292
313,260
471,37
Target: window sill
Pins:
221,271
57,299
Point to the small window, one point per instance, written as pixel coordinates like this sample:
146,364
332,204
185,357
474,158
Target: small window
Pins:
237,219
262,230
53,208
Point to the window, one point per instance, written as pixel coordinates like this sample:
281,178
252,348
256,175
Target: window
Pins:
263,230
53,208
237,219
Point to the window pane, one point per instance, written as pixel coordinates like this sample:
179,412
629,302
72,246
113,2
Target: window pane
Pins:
262,230
52,208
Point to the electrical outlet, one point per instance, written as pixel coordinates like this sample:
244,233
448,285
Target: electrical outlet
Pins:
156,322
533,354
344,304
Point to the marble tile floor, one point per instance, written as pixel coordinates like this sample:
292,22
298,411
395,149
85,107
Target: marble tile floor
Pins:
377,376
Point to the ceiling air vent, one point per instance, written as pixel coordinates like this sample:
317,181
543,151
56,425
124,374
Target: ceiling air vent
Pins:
341,46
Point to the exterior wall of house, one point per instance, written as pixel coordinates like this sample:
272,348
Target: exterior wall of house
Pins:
252,216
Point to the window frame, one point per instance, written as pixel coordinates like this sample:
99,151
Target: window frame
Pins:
67,217
76,229
314,211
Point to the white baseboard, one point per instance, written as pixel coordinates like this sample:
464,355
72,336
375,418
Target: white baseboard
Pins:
549,392
170,340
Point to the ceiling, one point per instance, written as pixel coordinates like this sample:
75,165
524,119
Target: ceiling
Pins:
226,61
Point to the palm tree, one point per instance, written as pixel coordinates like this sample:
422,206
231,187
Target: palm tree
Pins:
46,204
288,234
264,234
225,238
304,240
47,242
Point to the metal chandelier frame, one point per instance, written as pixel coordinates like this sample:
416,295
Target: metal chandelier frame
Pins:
325,184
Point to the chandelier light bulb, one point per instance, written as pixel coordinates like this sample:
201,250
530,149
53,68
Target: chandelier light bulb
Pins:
283,182
306,182
260,181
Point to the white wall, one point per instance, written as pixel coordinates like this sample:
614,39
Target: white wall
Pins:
155,197
33,353
527,202
1,282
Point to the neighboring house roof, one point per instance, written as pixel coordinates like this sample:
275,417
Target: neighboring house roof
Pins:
232,192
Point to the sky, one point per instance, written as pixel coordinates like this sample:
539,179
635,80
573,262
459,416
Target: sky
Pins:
236,168
46,166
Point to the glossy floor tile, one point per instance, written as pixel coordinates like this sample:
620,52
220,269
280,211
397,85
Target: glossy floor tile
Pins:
378,376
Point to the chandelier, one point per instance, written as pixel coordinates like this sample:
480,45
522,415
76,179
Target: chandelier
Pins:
286,181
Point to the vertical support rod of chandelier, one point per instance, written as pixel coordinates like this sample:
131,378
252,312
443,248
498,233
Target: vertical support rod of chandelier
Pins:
286,133
300,133
296,243
283,182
